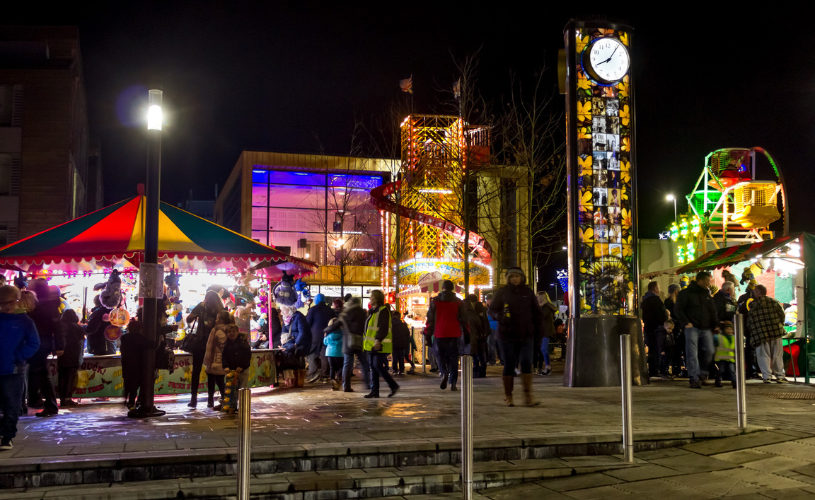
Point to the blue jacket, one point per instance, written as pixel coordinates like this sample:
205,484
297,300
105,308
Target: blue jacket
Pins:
301,333
20,341
333,342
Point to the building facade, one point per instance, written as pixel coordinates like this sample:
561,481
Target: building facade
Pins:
43,131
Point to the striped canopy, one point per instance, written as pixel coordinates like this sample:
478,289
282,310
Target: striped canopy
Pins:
113,237
726,257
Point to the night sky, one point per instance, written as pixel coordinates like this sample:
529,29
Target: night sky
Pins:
269,77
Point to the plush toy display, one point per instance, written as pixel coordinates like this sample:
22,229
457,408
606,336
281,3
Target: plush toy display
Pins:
111,296
285,293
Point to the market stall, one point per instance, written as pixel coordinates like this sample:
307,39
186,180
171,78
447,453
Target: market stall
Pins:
79,255
781,265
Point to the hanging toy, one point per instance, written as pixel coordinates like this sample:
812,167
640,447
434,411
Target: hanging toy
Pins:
111,296
683,282
113,333
20,281
171,280
118,316
284,292
746,275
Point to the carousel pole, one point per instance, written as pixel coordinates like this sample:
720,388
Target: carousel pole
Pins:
150,274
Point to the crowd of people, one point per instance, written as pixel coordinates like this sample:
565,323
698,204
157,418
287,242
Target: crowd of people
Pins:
693,328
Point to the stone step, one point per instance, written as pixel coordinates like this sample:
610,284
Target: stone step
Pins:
175,465
329,485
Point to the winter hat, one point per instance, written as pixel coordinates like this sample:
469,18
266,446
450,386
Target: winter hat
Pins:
447,285
319,299
516,270
673,287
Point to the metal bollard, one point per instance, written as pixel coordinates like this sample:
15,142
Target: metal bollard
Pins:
625,369
244,441
467,426
424,355
741,401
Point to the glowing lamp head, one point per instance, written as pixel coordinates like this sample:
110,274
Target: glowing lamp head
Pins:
154,114
670,197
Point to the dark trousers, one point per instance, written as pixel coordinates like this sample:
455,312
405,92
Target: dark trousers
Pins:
492,348
38,381
516,352
726,371
67,382
325,367
314,369
335,365
195,378
379,367
652,341
398,364
212,381
537,357
678,353
480,360
11,392
448,357
348,369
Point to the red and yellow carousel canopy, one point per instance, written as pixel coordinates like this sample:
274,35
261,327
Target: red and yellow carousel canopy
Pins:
114,237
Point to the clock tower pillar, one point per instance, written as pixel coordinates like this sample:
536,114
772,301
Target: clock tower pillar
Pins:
602,209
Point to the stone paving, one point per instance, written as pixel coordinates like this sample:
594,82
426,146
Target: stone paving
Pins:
420,412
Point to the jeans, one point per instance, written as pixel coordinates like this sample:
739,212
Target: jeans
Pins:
698,351
348,369
480,360
379,367
545,350
335,365
11,392
727,371
492,348
515,352
448,358
398,364
770,357
652,341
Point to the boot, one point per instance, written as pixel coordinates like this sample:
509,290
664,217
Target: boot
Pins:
509,382
526,378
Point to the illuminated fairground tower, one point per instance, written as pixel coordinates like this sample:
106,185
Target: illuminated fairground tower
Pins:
429,200
730,204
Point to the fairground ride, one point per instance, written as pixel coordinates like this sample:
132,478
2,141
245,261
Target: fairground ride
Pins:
729,205
429,197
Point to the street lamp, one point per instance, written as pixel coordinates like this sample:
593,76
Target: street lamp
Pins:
672,198
554,285
151,274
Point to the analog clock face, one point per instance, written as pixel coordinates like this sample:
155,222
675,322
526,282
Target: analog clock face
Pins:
607,60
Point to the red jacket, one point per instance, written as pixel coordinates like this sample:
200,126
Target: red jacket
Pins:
445,318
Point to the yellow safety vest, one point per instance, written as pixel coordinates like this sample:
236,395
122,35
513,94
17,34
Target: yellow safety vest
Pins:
726,350
372,328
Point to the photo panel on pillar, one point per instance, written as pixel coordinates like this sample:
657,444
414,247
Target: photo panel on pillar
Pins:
614,215
598,124
615,249
587,232
586,181
613,179
614,234
612,107
613,125
598,106
613,160
600,197
601,178
601,216
599,160
584,147
600,142
613,197
601,234
585,215
600,250
612,143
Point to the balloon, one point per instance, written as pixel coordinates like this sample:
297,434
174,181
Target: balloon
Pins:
119,316
113,333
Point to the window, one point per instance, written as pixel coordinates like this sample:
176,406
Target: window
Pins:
6,105
5,175
4,239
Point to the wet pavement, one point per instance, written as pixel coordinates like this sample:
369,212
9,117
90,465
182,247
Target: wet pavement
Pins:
316,414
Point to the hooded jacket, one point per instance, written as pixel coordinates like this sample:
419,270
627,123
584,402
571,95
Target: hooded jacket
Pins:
20,342
213,357
446,317
525,313
353,320
300,334
401,333
333,340
695,305
51,330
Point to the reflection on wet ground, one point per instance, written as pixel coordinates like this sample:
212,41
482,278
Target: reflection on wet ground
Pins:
316,414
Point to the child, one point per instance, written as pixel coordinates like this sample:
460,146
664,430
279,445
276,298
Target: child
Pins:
333,351
72,357
213,358
665,345
725,357
237,357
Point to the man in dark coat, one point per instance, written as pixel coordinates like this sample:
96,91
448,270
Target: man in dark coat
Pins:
696,311
401,343
353,319
46,318
475,338
653,316
318,317
446,320
519,317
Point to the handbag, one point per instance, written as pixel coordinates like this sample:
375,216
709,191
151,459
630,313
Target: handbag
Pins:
193,343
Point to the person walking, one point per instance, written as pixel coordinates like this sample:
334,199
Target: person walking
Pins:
401,342
446,320
353,320
696,310
476,333
318,317
378,343
19,341
519,317
678,351
653,317
548,310
205,314
213,358
493,353
72,357
766,324
333,352
52,341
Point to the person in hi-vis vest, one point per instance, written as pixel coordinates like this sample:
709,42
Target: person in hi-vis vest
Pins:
378,343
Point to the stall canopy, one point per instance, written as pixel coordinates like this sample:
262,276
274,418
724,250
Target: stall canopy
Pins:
726,257
113,237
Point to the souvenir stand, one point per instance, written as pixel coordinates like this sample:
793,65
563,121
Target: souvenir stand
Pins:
81,254
780,264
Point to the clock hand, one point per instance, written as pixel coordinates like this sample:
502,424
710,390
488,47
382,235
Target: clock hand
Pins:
609,57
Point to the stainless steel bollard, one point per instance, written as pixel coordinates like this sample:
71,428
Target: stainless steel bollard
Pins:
244,441
741,401
625,369
467,426
424,355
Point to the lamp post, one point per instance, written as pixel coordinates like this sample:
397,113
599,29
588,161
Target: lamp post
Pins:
151,275
554,285
672,198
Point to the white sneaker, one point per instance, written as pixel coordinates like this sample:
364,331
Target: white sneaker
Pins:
6,444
